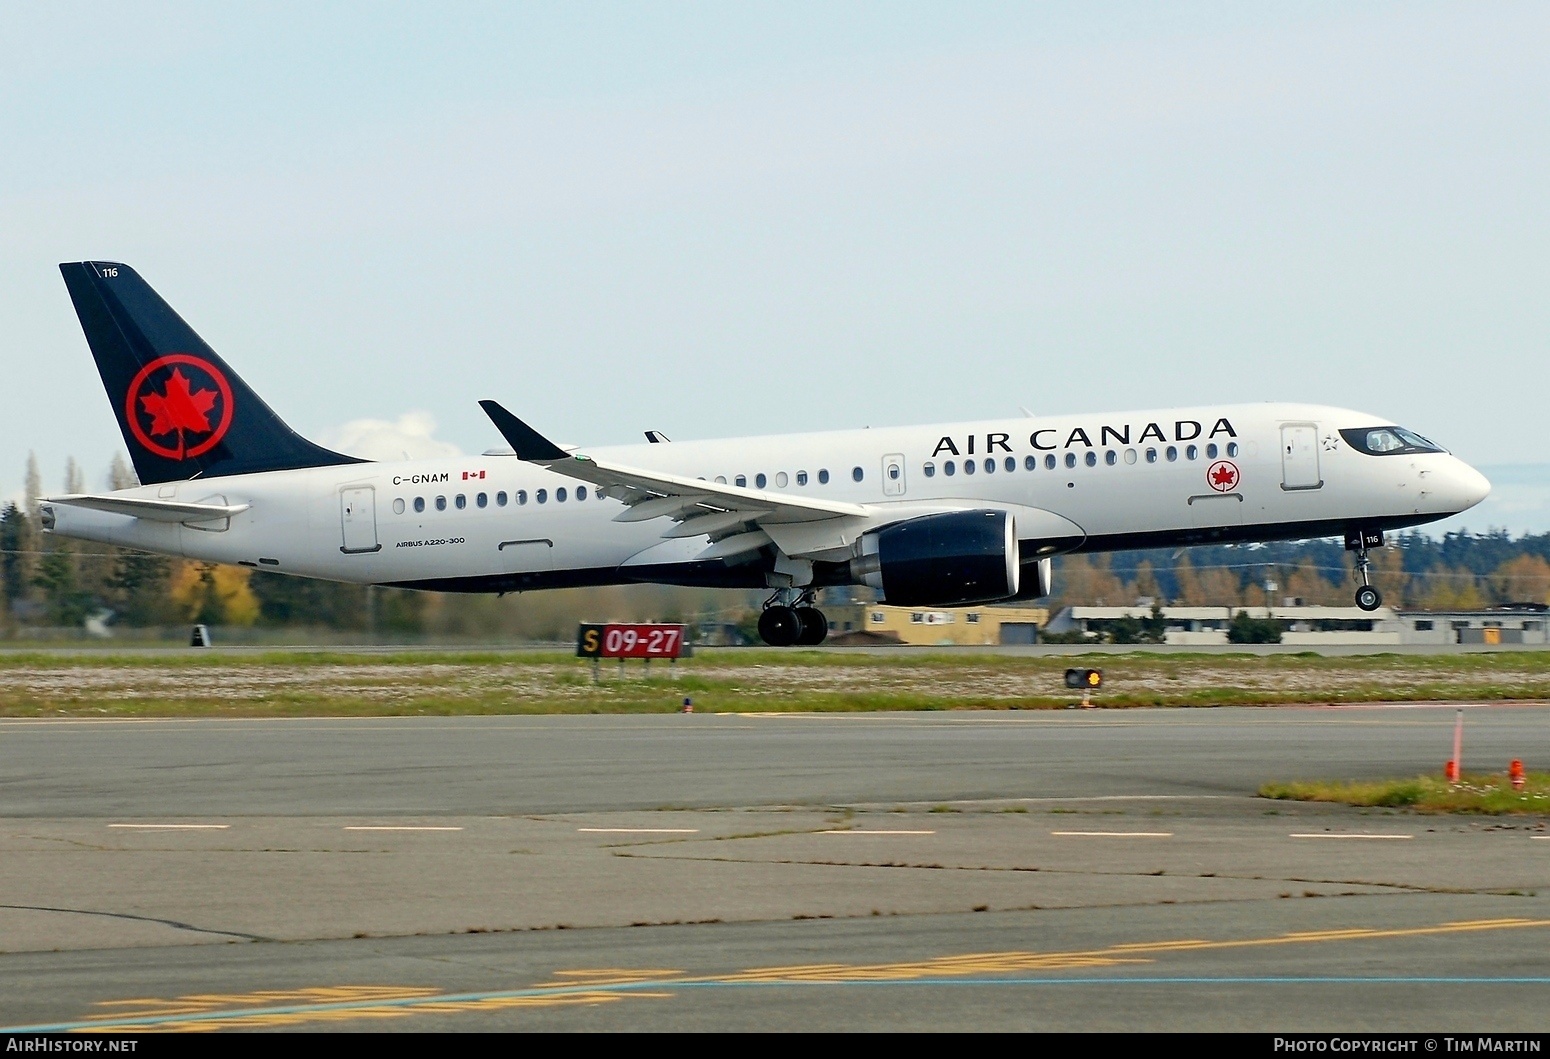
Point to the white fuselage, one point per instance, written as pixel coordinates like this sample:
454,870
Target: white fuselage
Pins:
441,523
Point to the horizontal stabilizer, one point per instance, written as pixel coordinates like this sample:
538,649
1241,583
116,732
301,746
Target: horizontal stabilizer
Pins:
526,442
153,510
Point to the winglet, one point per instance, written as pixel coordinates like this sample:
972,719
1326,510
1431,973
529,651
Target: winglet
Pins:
526,442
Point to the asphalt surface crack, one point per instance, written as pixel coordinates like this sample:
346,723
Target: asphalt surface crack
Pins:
175,924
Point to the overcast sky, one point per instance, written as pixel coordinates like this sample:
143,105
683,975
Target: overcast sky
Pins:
733,218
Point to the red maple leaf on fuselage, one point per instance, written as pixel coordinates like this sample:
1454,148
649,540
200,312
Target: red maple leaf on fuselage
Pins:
1223,476
181,408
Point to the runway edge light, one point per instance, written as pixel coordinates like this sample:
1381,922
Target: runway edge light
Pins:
1084,678
1089,680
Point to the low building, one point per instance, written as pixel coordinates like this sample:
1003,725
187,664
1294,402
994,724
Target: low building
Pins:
1512,623
1201,626
960,626
1517,623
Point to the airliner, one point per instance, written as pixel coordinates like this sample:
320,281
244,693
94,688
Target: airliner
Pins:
952,514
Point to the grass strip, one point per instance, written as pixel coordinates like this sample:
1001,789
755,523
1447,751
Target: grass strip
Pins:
368,683
1490,795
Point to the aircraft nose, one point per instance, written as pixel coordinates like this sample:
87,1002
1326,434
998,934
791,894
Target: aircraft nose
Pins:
1468,486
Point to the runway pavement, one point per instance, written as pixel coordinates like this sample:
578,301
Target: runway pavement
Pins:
1071,869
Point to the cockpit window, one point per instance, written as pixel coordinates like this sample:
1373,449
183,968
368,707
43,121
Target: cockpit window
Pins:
1388,441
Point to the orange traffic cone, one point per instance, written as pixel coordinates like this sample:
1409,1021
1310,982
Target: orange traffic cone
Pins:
1450,772
1515,773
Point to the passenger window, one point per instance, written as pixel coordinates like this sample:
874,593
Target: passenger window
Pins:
823,476
1173,453
1130,455
521,496
1151,455
968,467
721,479
949,468
1092,458
1032,463
581,493
1232,448
1011,463
759,480
990,466
541,496
500,498
1070,459
441,503
1049,462
559,495
1192,453
419,503
894,471
801,478
856,474
928,469
398,505
780,479
741,481
1111,457
461,501
1211,451
483,500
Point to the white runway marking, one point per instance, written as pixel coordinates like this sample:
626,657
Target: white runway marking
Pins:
1347,835
1541,838
1114,834
850,831
639,830
173,827
405,827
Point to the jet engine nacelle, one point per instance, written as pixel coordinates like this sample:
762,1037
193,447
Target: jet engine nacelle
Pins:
950,559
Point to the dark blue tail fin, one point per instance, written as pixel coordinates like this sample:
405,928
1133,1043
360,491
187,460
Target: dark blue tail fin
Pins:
184,413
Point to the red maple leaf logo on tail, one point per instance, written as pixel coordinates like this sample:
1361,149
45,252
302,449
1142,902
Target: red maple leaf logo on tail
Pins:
195,406
181,409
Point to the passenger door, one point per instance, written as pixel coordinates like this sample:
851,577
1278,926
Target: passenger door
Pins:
1300,456
358,519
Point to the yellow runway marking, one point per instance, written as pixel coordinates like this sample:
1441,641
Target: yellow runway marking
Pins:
1346,834
1114,834
217,1011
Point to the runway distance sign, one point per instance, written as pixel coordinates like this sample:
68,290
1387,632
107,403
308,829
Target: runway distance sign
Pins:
629,641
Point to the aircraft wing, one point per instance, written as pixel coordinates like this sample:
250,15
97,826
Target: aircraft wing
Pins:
736,519
153,510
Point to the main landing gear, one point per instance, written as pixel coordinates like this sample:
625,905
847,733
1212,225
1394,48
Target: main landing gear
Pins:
790,619
1367,597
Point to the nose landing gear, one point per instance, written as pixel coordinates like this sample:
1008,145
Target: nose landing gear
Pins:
1358,541
790,619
